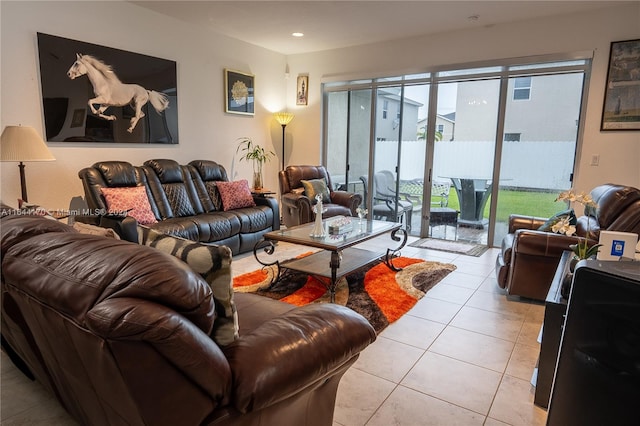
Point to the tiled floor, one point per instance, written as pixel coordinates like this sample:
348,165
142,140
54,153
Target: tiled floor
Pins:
462,356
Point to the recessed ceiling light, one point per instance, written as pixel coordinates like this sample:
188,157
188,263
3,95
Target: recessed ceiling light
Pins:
297,34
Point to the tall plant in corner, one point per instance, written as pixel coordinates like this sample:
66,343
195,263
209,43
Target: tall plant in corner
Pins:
258,155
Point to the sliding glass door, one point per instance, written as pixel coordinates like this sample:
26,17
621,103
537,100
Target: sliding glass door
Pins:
453,153
539,145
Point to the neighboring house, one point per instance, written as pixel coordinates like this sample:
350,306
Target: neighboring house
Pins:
538,109
445,127
388,116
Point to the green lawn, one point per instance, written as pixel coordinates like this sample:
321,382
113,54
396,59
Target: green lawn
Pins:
529,203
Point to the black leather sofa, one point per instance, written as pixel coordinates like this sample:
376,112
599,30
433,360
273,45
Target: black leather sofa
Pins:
183,200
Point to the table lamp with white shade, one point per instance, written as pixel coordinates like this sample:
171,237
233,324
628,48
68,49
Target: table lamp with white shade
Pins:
20,144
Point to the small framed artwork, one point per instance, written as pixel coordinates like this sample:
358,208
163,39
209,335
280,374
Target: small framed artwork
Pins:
302,90
621,110
239,92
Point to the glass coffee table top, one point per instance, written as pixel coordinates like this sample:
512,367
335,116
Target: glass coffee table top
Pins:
360,232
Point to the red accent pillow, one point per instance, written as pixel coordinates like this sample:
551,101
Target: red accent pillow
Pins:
235,195
133,199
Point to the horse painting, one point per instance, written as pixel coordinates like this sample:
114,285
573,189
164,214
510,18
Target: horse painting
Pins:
110,91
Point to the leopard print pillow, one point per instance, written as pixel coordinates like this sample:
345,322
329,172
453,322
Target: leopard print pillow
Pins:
213,263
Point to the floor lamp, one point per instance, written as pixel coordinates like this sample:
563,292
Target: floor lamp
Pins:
283,118
23,143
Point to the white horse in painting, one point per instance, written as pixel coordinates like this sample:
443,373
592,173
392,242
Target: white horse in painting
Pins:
110,91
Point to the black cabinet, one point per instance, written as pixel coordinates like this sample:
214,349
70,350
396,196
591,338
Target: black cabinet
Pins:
554,312
597,378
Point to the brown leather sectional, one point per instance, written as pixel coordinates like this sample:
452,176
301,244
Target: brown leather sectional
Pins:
528,258
118,333
182,198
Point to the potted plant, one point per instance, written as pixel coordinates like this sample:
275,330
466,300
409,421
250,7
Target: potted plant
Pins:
581,250
258,155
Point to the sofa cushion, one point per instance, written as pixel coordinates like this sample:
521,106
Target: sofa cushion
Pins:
314,187
214,195
568,214
213,263
133,200
235,194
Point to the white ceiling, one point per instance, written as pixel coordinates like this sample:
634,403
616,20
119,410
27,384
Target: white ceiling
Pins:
336,24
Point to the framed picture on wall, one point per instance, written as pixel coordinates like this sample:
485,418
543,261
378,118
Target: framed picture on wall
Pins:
621,110
302,90
137,100
239,92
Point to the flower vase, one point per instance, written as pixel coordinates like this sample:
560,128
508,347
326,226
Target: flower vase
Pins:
257,175
572,263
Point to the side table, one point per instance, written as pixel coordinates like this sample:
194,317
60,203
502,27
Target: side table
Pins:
554,314
262,192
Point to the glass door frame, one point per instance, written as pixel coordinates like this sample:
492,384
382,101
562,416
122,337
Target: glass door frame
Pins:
504,69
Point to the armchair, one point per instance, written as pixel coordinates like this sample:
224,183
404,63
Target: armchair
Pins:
297,208
528,257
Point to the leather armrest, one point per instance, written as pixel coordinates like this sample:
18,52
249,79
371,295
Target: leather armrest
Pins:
517,221
182,344
540,243
291,199
350,200
272,203
292,352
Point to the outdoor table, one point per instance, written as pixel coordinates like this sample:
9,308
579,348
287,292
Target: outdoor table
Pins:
473,193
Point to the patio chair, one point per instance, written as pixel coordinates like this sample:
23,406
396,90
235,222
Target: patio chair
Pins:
440,189
385,199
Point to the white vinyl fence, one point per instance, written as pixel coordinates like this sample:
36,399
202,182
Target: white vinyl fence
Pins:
534,165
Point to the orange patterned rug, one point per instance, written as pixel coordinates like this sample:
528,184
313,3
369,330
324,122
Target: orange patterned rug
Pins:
376,292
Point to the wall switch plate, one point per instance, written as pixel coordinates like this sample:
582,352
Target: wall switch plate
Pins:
595,159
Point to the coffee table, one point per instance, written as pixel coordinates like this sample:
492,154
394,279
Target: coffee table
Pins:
338,257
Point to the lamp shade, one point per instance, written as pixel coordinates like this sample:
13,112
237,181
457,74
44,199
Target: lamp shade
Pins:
23,143
284,118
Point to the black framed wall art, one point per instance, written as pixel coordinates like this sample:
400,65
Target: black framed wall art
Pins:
621,110
239,92
93,93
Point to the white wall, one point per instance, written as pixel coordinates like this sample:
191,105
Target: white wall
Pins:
594,31
205,131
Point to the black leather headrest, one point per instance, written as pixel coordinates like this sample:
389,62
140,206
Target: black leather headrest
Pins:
209,170
117,173
168,171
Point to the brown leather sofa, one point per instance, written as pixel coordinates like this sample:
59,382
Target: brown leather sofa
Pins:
183,200
118,333
528,257
297,208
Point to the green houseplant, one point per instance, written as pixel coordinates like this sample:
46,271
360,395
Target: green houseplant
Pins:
258,155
